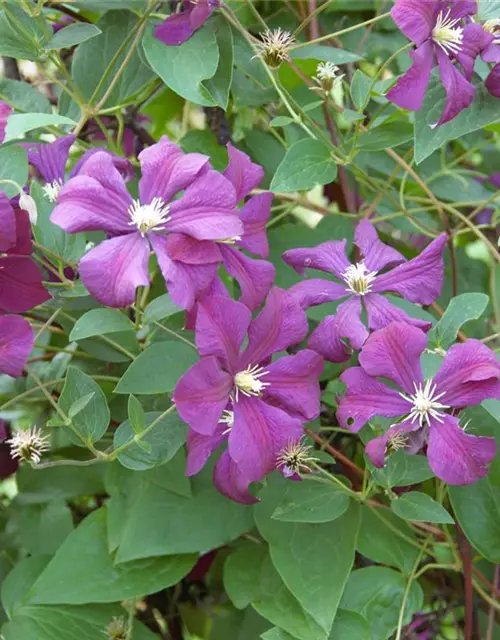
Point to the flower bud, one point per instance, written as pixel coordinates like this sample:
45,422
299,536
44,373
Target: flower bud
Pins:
327,76
116,629
27,203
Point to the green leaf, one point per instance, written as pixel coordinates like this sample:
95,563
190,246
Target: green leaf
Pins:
386,136
310,501
324,54
377,594
80,404
73,577
204,141
23,97
13,166
37,486
157,369
20,35
136,415
44,527
72,35
379,541
346,626
220,84
489,9
419,507
196,59
465,307
306,164
316,579
19,124
402,470
483,111
92,421
154,448
100,322
160,308
360,87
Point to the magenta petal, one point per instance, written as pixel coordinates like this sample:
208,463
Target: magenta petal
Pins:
314,292
254,216
201,395
455,456
21,286
463,8
242,172
221,326
201,447
166,170
366,398
329,257
7,224
294,383
415,18
259,433
409,90
394,353
419,280
493,81
16,343
24,244
255,277
381,313
50,159
207,210
376,254
124,166
229,480
191,251
114,269
459,91
475,40
179,27
280,324
202,11
334,334
5,111
469,374
376,448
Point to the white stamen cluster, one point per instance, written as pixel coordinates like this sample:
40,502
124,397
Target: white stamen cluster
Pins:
295,458
248,381
227,418
446,34
425,403
51,190
493,26
397,441
149,217
327,76
117,629
28,445
232,240
275,47
358,279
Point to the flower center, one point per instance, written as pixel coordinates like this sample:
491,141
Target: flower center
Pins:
232,240
425,403
294,458
248,381
446,34
149,217
397,441
227,418
358,278
51,190
28,445
275,46
493,26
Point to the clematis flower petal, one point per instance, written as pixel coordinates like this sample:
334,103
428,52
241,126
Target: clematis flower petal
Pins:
179,27
201,447
5,111
24,243
492,82
280,324
201,395
7,224
381,313
475,41
410,432
185,249
242,172
394,353
330,337
463,8
255,277
459,91
329,257
230,481
313,292
254,216
114,269
16,343
21,286
294,383
415,18
124,166
221,327
409,90
50,159
207,210
166,170
457,457
376,254
366,398
418,280
469,375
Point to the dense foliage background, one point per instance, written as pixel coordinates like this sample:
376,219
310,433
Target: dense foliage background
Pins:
102,532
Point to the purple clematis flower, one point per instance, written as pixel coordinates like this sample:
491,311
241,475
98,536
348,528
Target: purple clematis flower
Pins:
469,374
258,405
16,343
50,162
438,29
5,111
97,199
418,280
21,286
179,27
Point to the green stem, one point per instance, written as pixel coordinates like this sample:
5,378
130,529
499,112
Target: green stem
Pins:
139,436
406,594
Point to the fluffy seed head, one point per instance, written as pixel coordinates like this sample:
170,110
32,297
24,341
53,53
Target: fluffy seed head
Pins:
275,47
28,445
327,76
116,629
294,459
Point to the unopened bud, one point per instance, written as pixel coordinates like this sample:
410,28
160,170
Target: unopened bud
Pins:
327,76
116,629
27,203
